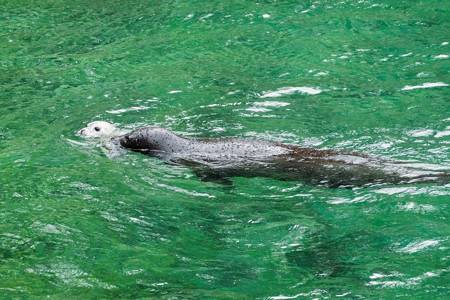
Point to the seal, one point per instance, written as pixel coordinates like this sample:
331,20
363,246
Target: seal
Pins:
221,159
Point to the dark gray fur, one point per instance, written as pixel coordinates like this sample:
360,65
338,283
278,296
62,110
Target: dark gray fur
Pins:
221,159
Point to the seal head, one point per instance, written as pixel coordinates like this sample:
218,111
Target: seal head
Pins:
97,129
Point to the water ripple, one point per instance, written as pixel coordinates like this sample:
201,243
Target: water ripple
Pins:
418,246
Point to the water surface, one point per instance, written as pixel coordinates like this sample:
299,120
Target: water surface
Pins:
367,76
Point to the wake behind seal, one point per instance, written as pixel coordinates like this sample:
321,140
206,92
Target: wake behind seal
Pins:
219,159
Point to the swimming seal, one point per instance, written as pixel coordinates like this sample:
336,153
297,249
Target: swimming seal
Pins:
221,159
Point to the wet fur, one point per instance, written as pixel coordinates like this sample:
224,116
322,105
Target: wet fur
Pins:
221,159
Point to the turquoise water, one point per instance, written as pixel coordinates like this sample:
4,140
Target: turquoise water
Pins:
368,76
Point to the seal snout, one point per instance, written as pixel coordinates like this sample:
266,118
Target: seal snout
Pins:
81,132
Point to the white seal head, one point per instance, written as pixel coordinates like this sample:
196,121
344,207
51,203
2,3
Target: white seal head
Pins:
97,129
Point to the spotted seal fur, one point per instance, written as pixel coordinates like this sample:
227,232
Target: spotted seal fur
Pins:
222,159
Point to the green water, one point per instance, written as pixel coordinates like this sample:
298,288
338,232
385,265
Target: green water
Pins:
369,76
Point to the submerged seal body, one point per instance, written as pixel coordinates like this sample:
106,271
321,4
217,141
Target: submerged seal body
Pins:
219,159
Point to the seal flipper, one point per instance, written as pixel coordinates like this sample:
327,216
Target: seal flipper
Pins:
220,180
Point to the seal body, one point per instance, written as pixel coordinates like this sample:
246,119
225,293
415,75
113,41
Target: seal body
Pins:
219,159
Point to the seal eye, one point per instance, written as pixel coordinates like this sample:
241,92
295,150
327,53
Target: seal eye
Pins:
97,128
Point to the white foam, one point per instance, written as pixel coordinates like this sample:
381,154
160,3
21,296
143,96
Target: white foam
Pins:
258,109
206,17
418,246
393,191
123,110
442,133
189,16
290,90
321,74
420,132
271,104
424,74
316,292
417,208
423,86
